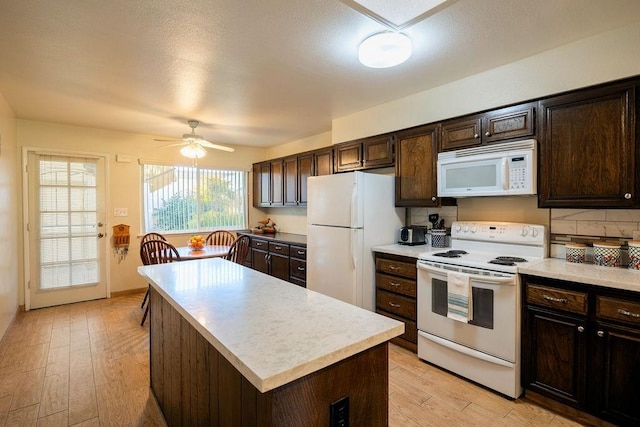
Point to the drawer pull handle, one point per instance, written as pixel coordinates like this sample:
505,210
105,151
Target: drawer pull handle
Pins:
278,248
258,244
301,268
394,305
393,268
394,284
301,252
628,313
552,299
600,334
580,328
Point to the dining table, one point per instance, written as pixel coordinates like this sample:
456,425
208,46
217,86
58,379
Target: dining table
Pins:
208,251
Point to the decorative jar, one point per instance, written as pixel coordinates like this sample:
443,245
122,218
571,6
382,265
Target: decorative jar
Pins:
606,254
634,255
575,252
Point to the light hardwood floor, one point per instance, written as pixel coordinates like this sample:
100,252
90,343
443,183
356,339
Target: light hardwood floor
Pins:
87,364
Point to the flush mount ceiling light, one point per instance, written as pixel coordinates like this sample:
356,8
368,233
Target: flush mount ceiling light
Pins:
193,150
384,50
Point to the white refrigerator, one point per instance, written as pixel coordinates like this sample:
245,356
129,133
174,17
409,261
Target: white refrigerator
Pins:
348,214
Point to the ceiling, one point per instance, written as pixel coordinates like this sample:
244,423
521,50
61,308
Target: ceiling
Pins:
255,72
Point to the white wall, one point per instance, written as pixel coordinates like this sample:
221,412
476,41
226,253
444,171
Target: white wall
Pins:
593,60
124,179
9,219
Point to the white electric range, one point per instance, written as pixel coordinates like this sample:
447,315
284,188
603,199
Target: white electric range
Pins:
483,345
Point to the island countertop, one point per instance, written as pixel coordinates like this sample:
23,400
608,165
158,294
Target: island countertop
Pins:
271,331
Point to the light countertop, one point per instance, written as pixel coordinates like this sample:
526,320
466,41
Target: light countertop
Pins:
610,277
272,331
406,250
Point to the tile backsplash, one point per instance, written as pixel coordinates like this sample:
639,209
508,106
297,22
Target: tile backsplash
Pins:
420,216
589,225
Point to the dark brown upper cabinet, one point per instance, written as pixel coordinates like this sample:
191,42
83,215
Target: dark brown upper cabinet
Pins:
323,161
587,148
365,153
290,181
416,157
486,128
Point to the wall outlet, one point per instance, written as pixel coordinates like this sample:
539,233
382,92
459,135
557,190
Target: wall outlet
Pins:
120,212
339,413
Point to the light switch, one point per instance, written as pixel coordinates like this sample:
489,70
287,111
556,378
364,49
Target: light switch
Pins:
120,212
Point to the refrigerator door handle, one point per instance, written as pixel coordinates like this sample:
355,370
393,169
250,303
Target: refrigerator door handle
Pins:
354,204
354,263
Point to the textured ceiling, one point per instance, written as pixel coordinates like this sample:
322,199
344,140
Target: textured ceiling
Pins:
255,72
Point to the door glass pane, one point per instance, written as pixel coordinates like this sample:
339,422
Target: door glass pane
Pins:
482,307
68,235
439,297
472,176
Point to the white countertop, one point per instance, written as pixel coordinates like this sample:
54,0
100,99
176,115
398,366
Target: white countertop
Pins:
406,250
272,331
610,277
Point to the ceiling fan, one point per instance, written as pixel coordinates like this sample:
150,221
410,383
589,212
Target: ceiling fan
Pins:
194,145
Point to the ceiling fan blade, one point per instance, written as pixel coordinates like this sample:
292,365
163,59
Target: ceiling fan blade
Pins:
171,145
208,144
167,140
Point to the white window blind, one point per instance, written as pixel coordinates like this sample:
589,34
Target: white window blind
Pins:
189,199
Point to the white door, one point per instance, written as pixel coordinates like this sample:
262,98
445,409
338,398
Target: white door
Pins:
66,211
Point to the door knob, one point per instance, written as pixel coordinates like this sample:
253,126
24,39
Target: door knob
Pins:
600,333
627,196
487,134
580,328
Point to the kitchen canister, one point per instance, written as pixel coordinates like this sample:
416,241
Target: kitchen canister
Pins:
438,238
575,252
606,254
634,255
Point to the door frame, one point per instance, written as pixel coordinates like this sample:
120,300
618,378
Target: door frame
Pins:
26,264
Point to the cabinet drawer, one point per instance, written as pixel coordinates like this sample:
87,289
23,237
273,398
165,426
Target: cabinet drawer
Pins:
298,268
279,248
410,327
396,304
561,299
298,252
398,268
618,309
259,244
396,284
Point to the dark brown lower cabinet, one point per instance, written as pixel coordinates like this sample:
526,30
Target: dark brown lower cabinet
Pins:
196,386
279,259
581,347
555,354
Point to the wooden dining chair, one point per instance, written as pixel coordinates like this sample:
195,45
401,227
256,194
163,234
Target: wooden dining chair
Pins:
239,250
221,237
157,252
146,238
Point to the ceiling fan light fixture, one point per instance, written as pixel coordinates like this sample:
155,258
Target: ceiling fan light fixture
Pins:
193,151
384,50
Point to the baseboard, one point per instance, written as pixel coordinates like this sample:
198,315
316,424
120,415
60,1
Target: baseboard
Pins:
128,292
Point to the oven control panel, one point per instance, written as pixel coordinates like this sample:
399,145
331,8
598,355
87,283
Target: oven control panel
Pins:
504,232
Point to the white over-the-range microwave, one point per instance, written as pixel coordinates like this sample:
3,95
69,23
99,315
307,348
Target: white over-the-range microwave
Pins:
506,169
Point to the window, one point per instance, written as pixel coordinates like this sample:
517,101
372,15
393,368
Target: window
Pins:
189,199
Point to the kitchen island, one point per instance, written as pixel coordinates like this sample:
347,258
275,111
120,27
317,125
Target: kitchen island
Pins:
232,346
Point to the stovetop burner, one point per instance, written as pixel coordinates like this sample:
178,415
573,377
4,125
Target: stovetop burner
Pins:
511,259
453,253
502,262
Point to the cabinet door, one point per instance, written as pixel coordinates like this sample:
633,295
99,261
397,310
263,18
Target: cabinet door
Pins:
261,184
587,149
461,133
279,266
554,356
417,154
323,162
508,123
259,260
618,366
277,182
305,169
377,151
290,181
349,156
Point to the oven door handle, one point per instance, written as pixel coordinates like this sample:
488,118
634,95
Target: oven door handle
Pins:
475,277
